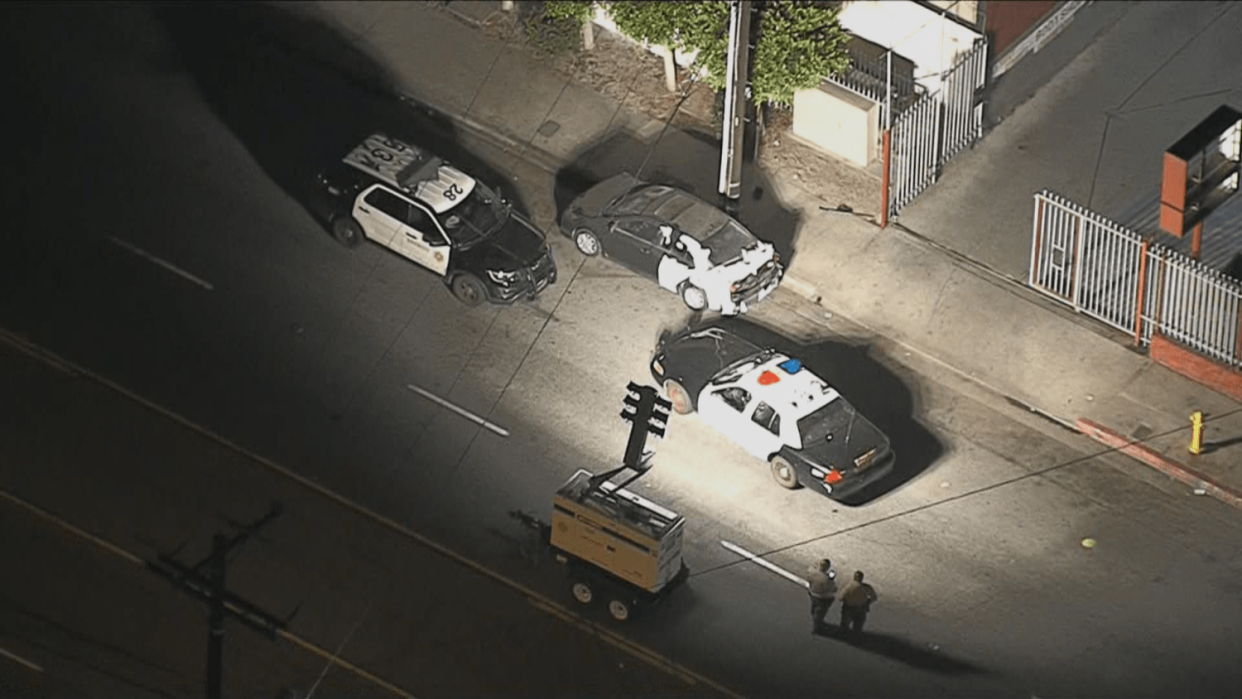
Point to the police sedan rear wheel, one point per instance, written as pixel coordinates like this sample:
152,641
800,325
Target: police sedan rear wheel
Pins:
694,297
347,231
469,290
784,474
586,241
678,397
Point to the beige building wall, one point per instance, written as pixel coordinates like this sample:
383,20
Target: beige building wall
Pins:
838,121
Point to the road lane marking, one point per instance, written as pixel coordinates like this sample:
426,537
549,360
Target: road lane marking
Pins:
19,659
138,561
35,352
459,410
77,531
166,265
634,649
766,564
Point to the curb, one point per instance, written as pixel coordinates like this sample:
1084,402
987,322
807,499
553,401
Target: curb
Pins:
1160,462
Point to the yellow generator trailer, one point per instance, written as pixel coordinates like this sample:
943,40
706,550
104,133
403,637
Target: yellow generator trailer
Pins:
615,544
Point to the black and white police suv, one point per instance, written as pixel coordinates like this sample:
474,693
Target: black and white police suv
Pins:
772,406
411,202
689,247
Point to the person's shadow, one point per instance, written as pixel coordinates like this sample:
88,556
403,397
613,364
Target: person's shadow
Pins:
902,650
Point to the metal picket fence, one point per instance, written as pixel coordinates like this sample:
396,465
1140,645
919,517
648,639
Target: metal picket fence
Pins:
1106,271
934,129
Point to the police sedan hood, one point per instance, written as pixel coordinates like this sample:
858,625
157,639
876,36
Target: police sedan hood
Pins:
695,356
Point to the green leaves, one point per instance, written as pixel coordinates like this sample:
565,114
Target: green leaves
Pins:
798,41
576,10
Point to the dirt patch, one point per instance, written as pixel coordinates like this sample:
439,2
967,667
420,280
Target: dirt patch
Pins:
630,74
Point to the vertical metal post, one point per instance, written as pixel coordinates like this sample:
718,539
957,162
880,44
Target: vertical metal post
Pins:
884,181
730,183
1138,301
215,642
1196,241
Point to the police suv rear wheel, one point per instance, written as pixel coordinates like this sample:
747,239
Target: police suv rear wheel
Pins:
469,290
347,232
695,298
619,609
783,473
678,397
586,241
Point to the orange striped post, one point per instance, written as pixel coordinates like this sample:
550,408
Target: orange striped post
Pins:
1196,241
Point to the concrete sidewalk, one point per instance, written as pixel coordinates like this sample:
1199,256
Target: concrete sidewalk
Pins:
898,282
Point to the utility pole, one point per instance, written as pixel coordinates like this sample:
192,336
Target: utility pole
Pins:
737,76
206,581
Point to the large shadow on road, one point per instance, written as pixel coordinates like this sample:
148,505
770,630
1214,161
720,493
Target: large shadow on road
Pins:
682,159
905,651
298,94
869,384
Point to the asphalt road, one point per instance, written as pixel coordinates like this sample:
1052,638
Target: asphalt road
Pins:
161,243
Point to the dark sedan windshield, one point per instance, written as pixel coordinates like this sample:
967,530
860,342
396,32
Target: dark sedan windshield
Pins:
728,243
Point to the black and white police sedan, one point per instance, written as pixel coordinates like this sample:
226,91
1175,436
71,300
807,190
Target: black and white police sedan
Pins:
411,202
689,247
775,408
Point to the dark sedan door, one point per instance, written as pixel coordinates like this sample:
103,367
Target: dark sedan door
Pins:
633,243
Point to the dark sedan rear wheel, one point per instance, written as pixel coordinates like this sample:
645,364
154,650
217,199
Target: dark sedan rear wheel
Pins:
783,472
695,298
586,241
678,397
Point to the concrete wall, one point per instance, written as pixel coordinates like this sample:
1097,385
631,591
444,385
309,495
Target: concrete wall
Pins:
926,37
838,121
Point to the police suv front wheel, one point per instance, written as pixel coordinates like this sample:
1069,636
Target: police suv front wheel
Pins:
347,232
469,290
783,473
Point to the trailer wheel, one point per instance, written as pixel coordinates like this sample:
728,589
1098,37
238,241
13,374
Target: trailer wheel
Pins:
620,609
582,591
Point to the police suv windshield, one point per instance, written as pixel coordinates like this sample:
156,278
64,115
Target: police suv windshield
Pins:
479,215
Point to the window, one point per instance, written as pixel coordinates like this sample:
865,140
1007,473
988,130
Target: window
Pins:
645,230
766,417
734,397
389,203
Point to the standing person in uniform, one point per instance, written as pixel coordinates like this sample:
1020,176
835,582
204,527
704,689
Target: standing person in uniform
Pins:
822,590
856,597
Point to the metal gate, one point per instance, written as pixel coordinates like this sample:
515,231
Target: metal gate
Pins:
1109,272
934,129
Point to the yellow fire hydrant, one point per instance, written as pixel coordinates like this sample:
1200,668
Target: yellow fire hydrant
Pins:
1196,432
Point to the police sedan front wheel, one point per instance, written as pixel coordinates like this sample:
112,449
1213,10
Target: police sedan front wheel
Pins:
784,474
347,232
586,241
678,397
469,290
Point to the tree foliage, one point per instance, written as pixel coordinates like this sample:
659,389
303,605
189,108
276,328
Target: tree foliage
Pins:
797,44
575,10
